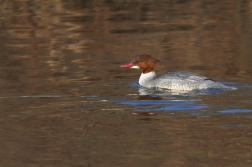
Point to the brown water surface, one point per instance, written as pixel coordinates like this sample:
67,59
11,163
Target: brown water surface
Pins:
65,102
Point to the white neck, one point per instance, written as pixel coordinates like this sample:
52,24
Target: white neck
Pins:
145,79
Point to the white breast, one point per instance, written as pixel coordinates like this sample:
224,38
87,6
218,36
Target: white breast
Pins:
146,80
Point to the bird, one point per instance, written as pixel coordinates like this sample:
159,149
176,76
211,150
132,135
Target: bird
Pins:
178,81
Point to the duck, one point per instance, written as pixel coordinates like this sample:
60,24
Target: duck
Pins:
176,81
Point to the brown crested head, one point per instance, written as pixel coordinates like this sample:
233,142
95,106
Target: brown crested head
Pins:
145,62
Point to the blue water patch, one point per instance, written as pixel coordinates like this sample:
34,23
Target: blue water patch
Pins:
163,105
229,83
182,108
195,114
79,107
231,126
156,102
235,111
118,99
93,98
247,86
171,108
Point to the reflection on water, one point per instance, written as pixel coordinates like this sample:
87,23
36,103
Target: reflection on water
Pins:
164,105
65,102
235,111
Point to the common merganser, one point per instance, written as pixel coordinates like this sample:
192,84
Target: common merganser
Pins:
178,81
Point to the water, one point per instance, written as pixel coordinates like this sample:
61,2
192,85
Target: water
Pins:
65,102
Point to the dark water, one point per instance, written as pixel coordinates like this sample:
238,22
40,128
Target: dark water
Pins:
65,102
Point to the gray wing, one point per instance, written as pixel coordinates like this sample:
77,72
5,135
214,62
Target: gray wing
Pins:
185,76
185,81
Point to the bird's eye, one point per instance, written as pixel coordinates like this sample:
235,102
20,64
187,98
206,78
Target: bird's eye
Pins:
136,62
